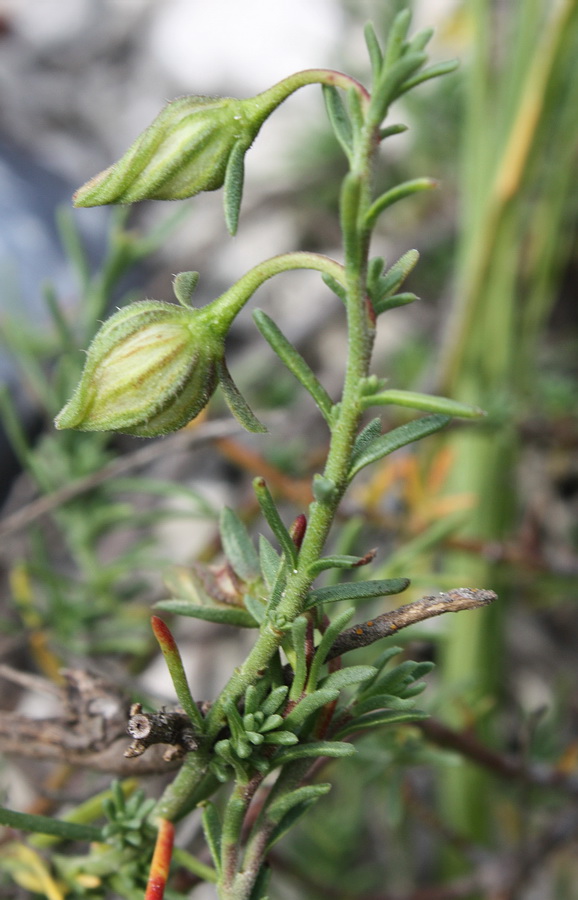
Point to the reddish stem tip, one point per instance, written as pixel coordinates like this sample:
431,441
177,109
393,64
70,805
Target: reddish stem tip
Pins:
161,860
163,635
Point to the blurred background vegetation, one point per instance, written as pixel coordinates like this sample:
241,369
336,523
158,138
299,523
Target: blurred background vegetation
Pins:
480,803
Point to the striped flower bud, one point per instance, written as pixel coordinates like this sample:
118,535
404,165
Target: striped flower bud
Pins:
151,368
186,150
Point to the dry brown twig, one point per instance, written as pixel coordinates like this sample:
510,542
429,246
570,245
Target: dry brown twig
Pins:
183,440
366,633
91,732
96,712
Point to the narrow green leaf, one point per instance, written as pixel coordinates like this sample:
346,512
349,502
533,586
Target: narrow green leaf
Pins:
436,71
328,639
395,276
365,437
308,706
255,606
379,664
293,360
346,677
396,37
270,561
298,633
271,513
357,590
399,73
68,831
395,300
394,681
195,866
355,110
288,821
275,700
176,669
338,118
374,50
375,268
238,546
420,41
255,694
335,562
282,805
399,192
271,723
236,402
383,701
388,88
276,592
233,187
212,827
335,286
381,717
399,437
231,755
349,214
235,721
414,690
222,615
334,749
249,721
426,402
423,668
280,738
392,130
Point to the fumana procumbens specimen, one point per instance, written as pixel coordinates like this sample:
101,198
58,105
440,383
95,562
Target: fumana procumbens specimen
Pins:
154,365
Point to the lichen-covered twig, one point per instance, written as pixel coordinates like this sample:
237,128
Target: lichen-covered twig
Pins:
365,633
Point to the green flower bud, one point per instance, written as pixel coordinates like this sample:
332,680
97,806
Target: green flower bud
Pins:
151,368
186,150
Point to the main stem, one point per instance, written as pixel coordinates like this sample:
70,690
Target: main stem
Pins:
360,323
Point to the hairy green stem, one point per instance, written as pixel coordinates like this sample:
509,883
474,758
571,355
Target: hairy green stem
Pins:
269,100
344,431
233,821
226,307
191,785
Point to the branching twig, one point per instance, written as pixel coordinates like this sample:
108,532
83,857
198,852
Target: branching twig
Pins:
366,633
496,876
500,764
91,732
209,431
